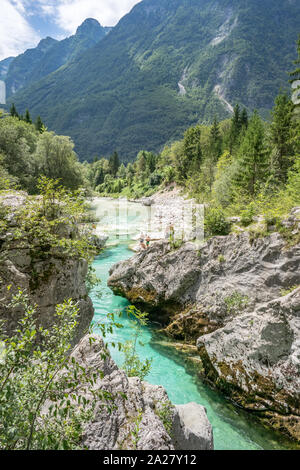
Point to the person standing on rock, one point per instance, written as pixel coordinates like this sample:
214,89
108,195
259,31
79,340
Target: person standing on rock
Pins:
142,242
148,240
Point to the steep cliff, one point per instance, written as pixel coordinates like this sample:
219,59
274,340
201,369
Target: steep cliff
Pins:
255,360
47,274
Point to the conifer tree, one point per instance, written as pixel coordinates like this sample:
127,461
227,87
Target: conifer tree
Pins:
281,129
215,141
192,151
235,128
252,157
244,119
114,163
39,125
27,117
121,171
13,111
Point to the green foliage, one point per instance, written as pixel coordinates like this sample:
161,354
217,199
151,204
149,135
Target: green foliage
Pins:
252,157
248,214
40,403
92,280
236,302
132,365
136,429
28,151
165,413
285,292
53,223
3,219
281,133
215,222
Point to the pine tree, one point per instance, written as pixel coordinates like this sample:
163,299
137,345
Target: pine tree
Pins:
192,150
39,125
151,161
215,140
27,117
281,129
244,119
236,127
252,157
121,171
99,177
13,111
114,163
213,153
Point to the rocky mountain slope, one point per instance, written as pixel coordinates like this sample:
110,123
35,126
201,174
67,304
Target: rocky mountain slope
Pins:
50,55
165,66
4,66
230,298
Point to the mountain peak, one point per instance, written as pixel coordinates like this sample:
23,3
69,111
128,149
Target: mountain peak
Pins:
45,43
89,25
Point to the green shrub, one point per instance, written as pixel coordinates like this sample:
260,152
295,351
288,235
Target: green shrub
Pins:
236,302
39,406
247,215
216,223
132,365
285,292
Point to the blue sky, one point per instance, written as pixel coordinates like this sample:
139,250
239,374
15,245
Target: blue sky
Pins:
24,22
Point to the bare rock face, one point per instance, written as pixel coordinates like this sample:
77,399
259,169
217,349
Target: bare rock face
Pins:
136,422
191,426
255,360
48,279
229,296
201,290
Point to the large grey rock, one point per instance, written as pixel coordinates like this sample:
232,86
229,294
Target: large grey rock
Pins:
186,280
191,428
255,359
135,422
228,294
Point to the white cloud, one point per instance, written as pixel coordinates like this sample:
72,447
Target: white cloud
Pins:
16,34
71,13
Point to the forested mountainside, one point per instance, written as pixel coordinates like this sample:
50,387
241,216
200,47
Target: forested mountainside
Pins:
168,64
50,55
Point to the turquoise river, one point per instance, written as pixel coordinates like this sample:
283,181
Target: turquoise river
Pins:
233,429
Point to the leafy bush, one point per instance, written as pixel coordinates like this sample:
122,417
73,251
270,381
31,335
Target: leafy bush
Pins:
216,223
132,365
247,215
236,302
39,406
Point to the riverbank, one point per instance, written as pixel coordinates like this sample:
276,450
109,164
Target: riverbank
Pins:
173,369
225,290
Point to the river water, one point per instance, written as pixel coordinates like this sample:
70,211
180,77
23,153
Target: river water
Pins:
233,429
